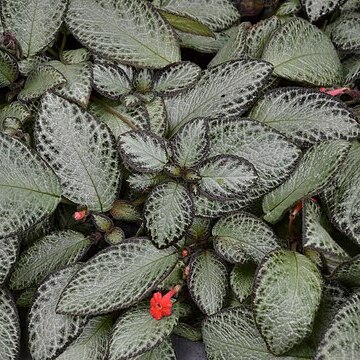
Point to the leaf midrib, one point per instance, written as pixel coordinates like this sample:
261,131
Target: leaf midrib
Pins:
29,189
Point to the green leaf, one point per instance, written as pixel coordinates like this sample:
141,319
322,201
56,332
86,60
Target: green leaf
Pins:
33,23
14,110
28,65
315,170
341,340
226,90
287,293
9,327
144,182
289,8
241,280
8,69
342,197
42,79
81,151
208,282
168,213
301,52
137,331
226,177
115,236
50,253
316,10
117,278
24,299
345,33
190,145
9,247
306,116
351,69
143,151
157,116
93,342
110,79
348,272
188,332
76,56
78,82
49,332
125,31
29,190
164,351
242,237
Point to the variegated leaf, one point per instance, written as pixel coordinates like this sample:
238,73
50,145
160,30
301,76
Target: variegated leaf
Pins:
126,31
163,351
208,282
9,327
8,69
14,110
34,25
29,189
81,151
46,255
242,237
137,331
289,8
168,213
306,116
226,90
76,56
28,65
351,69
241,280
42,79
176,78
49,332
316,10
117,277
345,32
315,170
287,293
9,247
157,116
188,332
348,272
297,48
143,151
190,145
226,177
143,182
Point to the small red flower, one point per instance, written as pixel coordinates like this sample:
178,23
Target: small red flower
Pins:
79,215
334,92
184,253
161,306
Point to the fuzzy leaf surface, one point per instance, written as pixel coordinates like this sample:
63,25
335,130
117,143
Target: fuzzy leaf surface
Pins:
241,280
8,253
14,110
346,33
8,69
164,351
320,8
349,272
76,56
157,116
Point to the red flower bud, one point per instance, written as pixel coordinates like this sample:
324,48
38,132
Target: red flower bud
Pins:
79,215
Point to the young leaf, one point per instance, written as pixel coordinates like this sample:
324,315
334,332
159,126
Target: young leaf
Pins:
241,280
315,10
117,278
29,190
42,79
315,170
226,90
301,52
14,110
164,351
77,56
190,145
157,116
348,272
351,69
33,25
8,69
242,237
287,293
143,151
26,66
306,116
226,177
341,340
125,31
188,332
208,282
49,332
9,247
46,255
144,182
345,33
168,213
81,151
176,78
289,8
137,331
93,342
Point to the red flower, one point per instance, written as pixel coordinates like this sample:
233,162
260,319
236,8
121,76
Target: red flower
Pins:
334,92
79,215
161,306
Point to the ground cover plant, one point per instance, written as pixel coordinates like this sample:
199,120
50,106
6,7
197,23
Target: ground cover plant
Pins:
179,167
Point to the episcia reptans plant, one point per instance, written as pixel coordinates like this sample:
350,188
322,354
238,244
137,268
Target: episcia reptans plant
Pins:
169,167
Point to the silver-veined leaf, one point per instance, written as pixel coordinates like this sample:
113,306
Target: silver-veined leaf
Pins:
143,151
14,110
208,282
315,170
27,65
176,78
190,145
345,33
242,237
226,177
157,116
29,190
348,272
46,255
143,182
117,277
226,90
350,5
8,69
306,116
76,56
9,327
301,52
341,340
9,247
49,332
137,331
143,81
351,69
241,280
125,31
287,293
93,342
42,79
289,8
33,24
168,213
81,150
163,351
319,8
188,332
342,197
